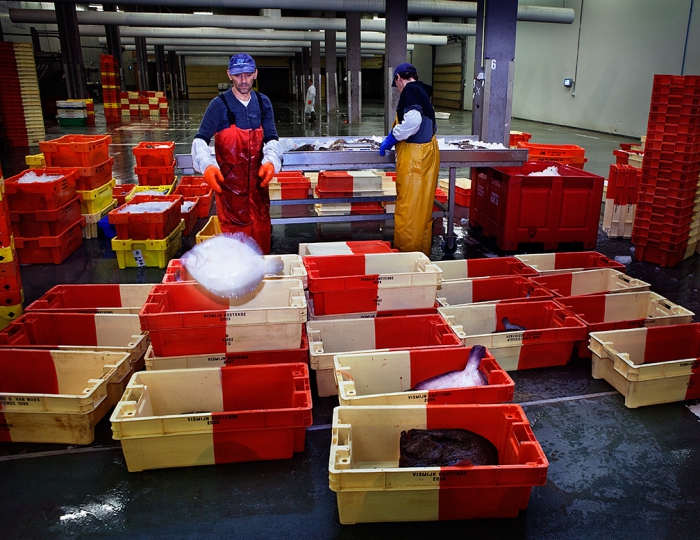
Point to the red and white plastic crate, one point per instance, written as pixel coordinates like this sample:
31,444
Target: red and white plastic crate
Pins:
371,282
552,263
389,378
182,319
491,289
93,298
546,336
371,487
476,268
649,365
241,358
330,337
345,248
602,312
244,413
601,280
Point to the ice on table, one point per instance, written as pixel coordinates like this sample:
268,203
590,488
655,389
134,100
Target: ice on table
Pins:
549,171
145,208
31,177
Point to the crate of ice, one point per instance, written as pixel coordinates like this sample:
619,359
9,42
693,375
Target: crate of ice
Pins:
147,217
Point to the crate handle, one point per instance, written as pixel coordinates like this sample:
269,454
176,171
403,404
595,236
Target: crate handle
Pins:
342,440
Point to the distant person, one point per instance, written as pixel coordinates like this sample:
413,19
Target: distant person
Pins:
310,100
247,153
417,161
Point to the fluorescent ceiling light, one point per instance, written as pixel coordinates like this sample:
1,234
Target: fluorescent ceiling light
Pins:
203,13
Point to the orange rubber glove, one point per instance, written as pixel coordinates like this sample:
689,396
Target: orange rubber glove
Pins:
213,177
266,172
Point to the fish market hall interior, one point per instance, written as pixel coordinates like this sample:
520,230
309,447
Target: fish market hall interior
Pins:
534,373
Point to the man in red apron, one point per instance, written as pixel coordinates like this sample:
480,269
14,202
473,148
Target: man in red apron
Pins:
247,153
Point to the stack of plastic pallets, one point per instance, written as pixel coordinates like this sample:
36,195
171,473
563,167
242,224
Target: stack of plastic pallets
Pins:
148,230
20,103
11,292
667,223
45,214
155,163
89,156
111,86
621,200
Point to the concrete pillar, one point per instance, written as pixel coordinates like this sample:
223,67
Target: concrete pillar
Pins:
160,68
142,63
394,54
298,77
316,72
478,85
71,51
305,71
331,69
354,45
500,21
114,45
173,65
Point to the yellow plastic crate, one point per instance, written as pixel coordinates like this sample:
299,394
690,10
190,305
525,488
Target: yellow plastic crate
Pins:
7,254
9,314
149,253
91,229
210,230
95,200
35,161
163,190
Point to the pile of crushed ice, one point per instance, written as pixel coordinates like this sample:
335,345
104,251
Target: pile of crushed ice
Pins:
31,177
549,171
144,208
468,143
187,206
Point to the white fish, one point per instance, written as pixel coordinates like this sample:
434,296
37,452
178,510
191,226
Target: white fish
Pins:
230,265
468,377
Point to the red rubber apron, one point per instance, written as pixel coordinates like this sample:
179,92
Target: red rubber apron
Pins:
242,204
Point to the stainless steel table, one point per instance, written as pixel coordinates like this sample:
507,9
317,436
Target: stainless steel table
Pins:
355,159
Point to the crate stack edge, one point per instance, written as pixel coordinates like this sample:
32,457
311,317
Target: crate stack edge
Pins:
12,299
111,87
667,222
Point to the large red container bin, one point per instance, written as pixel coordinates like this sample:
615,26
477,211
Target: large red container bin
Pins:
149,225
76,150
516,208
50,249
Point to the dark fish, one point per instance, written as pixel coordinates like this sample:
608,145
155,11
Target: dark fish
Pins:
445,448
511,327
465,378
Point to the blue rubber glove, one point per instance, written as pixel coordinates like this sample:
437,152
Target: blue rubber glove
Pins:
387,144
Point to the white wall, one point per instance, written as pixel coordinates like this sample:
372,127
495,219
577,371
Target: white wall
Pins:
623,43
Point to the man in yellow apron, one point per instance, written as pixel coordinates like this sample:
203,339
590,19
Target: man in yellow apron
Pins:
417,161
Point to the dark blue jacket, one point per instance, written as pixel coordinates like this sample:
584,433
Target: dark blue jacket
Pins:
416,96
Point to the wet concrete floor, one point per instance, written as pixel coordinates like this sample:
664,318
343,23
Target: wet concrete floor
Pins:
614,472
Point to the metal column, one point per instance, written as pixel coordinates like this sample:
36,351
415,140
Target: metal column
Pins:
71,52
354,63
500,21
160,68
142,63
299,90
478,85
331,69
316,72
395,47
114,45
174,64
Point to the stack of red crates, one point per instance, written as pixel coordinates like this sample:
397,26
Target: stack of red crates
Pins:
155,163
111,86
194,189
667,224
11,295
20,103
89,156
621,200
45,215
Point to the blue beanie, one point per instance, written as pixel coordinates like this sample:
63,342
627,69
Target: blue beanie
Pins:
241,63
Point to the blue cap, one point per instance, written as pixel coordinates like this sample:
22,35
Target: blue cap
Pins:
241,63
403,68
